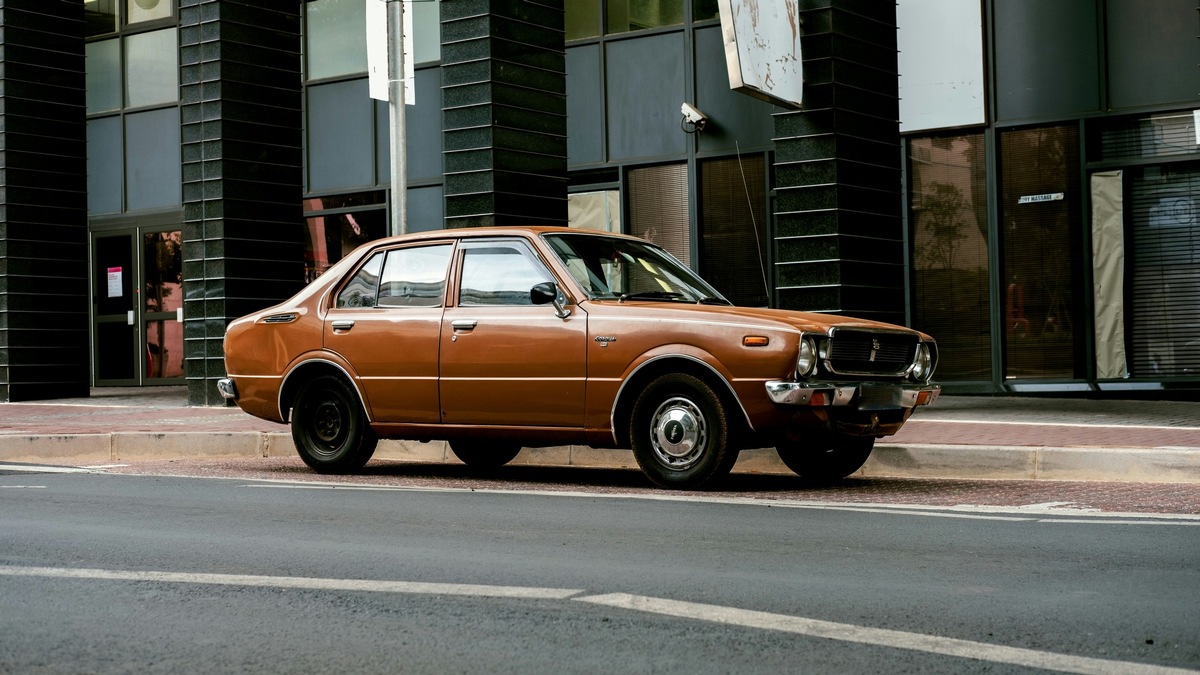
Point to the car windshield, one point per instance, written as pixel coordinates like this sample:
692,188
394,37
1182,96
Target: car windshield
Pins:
627,269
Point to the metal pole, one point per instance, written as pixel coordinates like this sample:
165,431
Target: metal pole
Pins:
399,163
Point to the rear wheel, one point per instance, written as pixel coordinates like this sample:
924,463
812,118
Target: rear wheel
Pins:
479,454
330,428
826,457
680,433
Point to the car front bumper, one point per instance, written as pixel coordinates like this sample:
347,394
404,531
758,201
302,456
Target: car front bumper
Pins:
859,395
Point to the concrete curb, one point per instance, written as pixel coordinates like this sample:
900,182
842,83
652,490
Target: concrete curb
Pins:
979,462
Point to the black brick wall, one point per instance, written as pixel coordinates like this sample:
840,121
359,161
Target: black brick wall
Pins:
839,231
504,112
43,201
242,149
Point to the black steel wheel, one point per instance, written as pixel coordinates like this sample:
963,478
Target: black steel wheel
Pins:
484,454
825,457
329,426
680,433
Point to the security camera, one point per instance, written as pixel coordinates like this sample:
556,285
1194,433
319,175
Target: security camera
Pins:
693,116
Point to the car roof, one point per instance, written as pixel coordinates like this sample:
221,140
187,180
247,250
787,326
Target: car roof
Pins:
494,231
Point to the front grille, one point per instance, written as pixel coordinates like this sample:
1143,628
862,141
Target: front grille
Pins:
854,352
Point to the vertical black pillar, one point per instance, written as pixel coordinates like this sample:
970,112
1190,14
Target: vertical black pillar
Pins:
504,112
242,149
839,236
43,201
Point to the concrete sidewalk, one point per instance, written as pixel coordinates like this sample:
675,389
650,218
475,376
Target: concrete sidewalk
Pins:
957,437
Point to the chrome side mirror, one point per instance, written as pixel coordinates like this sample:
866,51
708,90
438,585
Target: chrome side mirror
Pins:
547,293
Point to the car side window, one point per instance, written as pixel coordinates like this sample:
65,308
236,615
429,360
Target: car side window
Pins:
499,273
362,289
414,277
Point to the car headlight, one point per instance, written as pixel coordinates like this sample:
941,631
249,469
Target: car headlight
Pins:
922,367
806,358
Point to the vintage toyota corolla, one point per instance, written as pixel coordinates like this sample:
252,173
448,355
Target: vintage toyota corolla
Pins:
494,339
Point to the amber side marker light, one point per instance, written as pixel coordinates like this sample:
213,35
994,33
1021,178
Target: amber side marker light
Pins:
755,341
923,397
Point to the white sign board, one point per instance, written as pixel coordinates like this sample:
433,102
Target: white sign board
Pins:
762,49
940,64
377,51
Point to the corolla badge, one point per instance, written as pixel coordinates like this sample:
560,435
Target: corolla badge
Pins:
605,339
875,346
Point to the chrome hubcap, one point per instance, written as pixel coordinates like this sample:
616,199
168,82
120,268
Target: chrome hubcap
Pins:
678,433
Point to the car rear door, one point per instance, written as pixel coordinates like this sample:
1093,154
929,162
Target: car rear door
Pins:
386,321
504,360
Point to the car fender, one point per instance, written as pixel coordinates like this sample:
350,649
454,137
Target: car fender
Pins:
317,359
645,363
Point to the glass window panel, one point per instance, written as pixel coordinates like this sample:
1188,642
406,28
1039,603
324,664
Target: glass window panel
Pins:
658,209
1164,259
345,201
499,274
100,16
415,277
627,15
137,11
733,237
582,19
105,161
152,166
103,66
1040,209
335,38
331,237
704,9
949,233
164,349
152,68
361,289
595,210
163,270
427,30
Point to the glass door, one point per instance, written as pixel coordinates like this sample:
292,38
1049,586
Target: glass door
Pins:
137,303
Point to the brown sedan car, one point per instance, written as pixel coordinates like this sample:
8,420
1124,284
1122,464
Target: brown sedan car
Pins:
496,339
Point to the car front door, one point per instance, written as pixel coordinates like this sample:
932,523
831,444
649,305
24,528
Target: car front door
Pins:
385,321
504,360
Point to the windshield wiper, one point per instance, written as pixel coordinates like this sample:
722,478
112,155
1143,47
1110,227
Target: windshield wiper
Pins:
654,295
714,301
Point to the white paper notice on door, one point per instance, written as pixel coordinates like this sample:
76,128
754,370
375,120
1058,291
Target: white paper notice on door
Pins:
114,282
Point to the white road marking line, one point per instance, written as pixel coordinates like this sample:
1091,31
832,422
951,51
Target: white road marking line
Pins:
306,583
1084,425
30,487
882,637
1017,513
733,616
30,468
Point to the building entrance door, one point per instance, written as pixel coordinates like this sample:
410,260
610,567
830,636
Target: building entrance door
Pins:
137,307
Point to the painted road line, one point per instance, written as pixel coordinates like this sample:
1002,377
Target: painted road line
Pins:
1080,425
33,468
732,616
880,637
1032,513
305,583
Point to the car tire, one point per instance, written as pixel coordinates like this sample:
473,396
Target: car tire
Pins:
826,457
484,455
680,434
329,426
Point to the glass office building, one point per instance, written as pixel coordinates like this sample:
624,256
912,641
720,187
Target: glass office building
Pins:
1017,178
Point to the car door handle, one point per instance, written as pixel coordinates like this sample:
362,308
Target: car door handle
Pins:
464,324
342,324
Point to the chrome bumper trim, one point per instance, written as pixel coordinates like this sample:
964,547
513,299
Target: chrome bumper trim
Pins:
837,394
227,388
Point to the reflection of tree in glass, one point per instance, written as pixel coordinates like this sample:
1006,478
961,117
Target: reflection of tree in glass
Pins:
942,209
163,273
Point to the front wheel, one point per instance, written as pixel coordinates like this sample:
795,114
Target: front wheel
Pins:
826,457
484,455
680,433
330,428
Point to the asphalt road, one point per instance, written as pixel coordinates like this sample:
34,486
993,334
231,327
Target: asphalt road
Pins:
107,573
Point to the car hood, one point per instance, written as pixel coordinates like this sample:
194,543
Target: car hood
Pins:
777,319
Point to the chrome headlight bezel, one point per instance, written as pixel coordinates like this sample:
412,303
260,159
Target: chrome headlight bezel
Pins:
806,358
921,369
